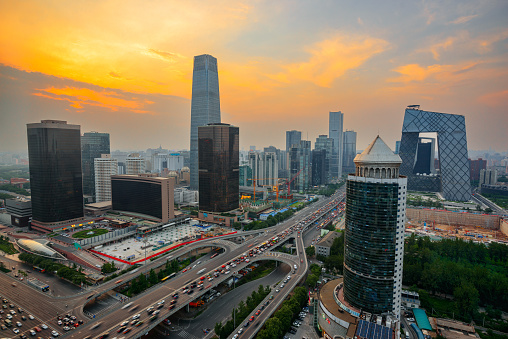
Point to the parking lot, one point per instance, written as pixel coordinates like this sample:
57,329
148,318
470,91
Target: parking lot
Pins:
134,247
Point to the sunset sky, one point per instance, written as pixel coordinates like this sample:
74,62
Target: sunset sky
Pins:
125,67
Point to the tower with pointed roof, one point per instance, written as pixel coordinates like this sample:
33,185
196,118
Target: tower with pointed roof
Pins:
374,231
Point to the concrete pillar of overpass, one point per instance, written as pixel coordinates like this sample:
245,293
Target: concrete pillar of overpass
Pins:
188,307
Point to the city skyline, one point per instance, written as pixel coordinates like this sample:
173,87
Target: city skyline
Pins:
282,67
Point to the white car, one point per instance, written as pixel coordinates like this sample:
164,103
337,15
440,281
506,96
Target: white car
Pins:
54,334
32,332
161,302
15,330
136,316
9,316
44,326
19,324
31,317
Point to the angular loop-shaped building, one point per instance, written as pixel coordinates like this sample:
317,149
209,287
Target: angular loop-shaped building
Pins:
453,176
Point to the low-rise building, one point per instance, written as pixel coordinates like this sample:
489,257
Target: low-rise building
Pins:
20,210
324,245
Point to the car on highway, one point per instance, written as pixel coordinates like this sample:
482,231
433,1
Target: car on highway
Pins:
121,329
251,318
139,323
125,323
258,312
127,330
246,324
136,316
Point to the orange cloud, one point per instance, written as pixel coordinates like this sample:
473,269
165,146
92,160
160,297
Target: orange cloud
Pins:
495,99
81,97
331,58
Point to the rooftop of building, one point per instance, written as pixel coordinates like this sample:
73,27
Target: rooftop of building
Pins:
326,296
378,152
39,247
327,241
102,204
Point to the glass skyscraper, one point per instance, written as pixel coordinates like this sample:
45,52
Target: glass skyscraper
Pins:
335,128
93,145
374,231
218,167
205,106
348,164
54,152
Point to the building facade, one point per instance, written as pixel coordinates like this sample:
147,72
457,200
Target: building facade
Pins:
218,167
335,126
135,164
487,177
320,167
205,106
374,231
453,179
93,144
56,182
104,167
349,154
144,194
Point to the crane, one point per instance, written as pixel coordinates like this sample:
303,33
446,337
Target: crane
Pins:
290,181
254,184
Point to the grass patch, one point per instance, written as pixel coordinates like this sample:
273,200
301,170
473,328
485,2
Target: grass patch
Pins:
7,247
85,234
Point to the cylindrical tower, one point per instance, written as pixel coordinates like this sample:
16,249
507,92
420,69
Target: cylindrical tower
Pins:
374,231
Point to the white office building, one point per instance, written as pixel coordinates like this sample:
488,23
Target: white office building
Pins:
104,167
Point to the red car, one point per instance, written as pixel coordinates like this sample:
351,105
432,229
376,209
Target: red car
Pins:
127,330
171,307
251,318
258,312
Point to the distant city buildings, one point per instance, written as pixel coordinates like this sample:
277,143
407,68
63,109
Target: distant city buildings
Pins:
323,142
320,167
218,167
93,145
205,106
453,179
171,162
374,232
144,194
335,126
54,151
104,167
184,196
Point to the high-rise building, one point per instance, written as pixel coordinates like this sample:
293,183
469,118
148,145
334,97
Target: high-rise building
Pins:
93,144
104,167
349,154
145,194
335,126
319,167
218,167
246,175
326,144
476,166
453,179
135,164
374,231
265,167
205,106
487,177
292,138
300,163
56,182
397,147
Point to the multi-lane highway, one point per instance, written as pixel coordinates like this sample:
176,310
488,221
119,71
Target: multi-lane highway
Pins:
47,306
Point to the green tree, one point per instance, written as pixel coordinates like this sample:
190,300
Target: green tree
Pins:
152,277
311,280
310,251
467,298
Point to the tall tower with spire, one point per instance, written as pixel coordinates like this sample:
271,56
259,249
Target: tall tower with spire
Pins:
205,106
374,231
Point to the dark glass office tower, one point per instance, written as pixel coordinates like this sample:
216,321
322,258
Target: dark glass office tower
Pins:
218,167
54,152
93,144
374,231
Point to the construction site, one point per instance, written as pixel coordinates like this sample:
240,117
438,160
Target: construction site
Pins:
442,224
